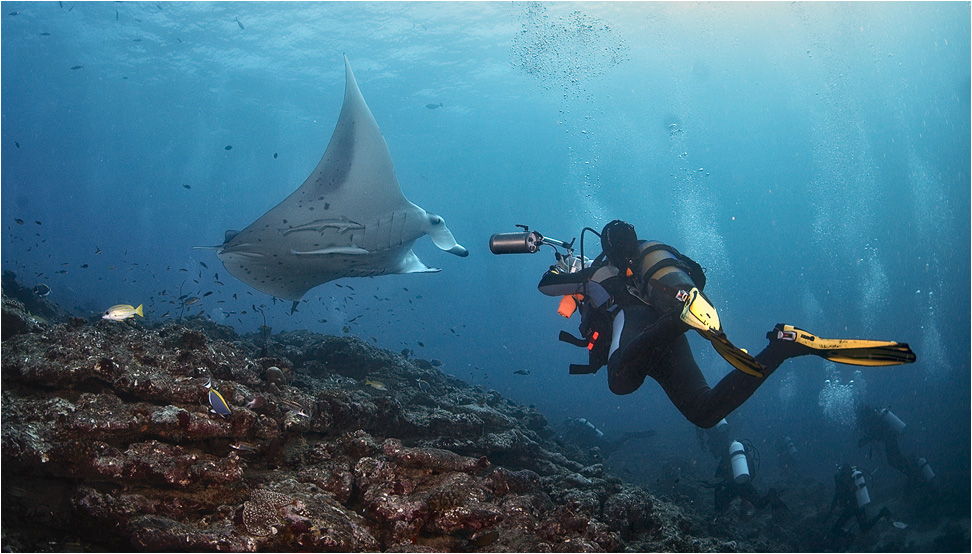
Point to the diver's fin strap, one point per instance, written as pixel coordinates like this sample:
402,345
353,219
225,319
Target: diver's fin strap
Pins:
860,352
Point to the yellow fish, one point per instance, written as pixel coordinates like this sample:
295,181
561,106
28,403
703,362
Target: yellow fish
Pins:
376,384
122,311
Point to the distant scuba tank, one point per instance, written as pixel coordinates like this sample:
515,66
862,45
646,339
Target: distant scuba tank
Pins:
892,421
740,465
926,471
863,497
598,432
790,448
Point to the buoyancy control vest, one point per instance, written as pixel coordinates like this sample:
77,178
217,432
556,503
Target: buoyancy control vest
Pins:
600,290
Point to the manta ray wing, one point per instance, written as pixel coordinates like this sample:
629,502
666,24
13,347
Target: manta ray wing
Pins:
348,219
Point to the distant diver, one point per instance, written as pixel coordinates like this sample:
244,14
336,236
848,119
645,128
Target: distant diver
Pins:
852,500
583,434
738,465
637,300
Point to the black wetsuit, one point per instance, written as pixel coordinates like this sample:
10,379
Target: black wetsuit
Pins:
651,342
665,355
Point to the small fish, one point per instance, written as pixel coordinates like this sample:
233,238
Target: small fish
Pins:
38,222
295,407
166,314
484,538
522,372
45,34
422,344
900,524
119,312
190,301
243,447
19,221
42,290
76,67
435,363
229,146
217,404
97,249
204,265
116,15
186,187
14,13
275,155
84,266
346,329
375,384
423,385
207,294
237,20
17,144
433,106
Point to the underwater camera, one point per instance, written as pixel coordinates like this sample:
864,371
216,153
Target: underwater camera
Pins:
527,242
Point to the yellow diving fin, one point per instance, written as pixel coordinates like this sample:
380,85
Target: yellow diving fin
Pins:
739,358
849,351
699,314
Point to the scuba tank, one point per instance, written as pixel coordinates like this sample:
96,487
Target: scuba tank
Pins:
892,421
598,432
926,471
658,261
740,465
860,486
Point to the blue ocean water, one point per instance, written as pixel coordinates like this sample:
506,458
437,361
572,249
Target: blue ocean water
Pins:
813,157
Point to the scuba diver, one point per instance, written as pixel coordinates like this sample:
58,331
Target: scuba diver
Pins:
583,434
637,300
883,426
853,500
786,455
738,464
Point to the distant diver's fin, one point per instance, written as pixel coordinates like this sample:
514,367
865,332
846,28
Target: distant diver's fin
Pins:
846,351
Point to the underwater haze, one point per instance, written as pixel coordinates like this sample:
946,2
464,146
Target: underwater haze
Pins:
814,158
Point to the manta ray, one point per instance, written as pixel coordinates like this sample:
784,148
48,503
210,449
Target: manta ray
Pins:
348,219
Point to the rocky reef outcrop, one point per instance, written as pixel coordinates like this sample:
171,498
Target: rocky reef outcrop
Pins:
113,438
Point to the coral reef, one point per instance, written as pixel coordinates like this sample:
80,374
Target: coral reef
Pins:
109,442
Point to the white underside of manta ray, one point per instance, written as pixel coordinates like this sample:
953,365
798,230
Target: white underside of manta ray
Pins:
348,219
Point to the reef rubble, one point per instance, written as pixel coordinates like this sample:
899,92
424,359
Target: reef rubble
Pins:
110,442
